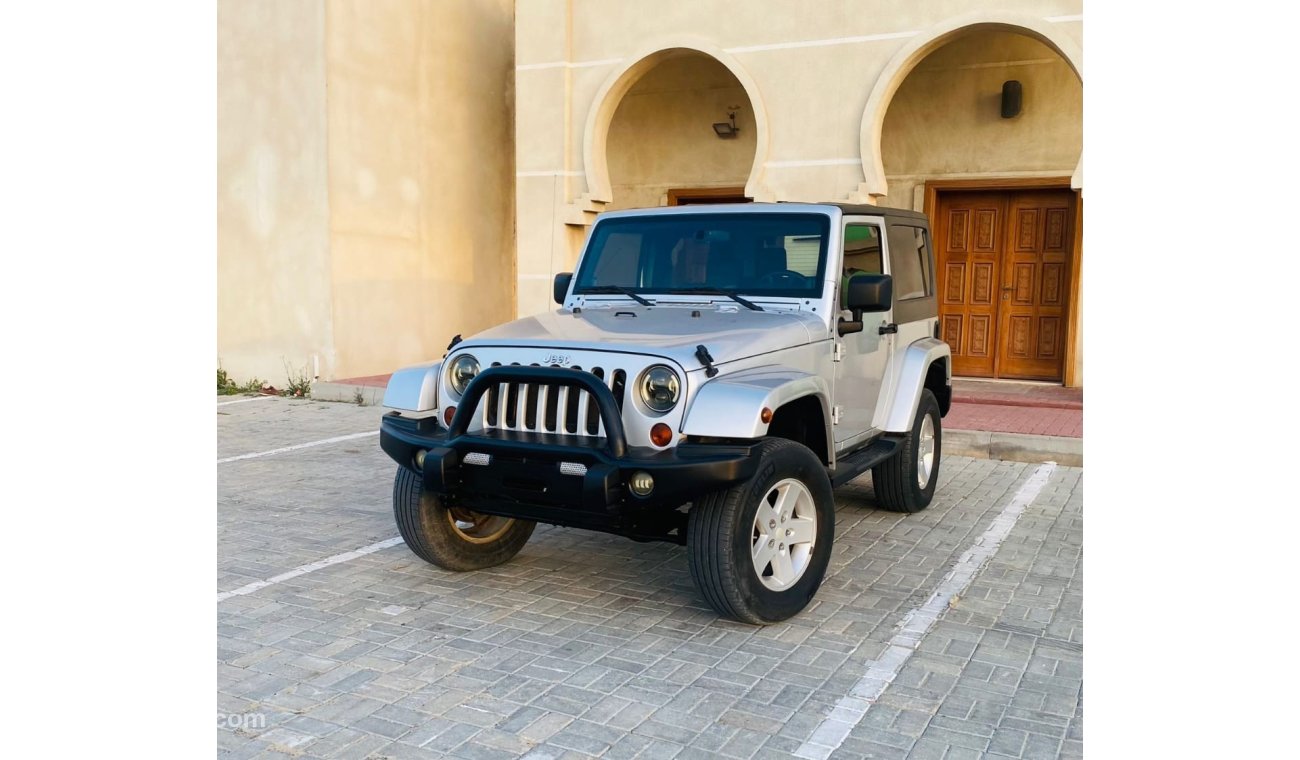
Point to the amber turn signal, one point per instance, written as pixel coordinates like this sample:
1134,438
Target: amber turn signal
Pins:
661,435
765,415
447,414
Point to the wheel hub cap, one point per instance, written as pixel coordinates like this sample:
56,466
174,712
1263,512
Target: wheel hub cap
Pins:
477,528
784,533
925,452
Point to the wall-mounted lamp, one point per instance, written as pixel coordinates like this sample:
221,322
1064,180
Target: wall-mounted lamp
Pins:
1011,93
724,130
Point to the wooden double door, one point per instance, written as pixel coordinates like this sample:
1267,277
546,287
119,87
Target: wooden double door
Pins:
1005,263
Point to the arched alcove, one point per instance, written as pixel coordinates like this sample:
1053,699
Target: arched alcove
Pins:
946,120
917,50
661,138
661,108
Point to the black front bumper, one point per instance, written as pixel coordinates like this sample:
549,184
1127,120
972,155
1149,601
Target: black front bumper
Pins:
522,476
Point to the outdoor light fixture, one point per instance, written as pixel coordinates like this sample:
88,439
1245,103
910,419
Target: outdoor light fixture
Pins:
1011,93
724,130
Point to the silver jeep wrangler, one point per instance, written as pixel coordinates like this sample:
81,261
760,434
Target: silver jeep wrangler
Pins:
711,374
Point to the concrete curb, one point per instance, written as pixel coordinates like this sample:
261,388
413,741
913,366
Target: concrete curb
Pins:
371,395
1013,447
1010,401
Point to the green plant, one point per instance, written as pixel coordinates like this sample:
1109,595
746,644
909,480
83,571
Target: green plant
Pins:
225,385
299,382
358,397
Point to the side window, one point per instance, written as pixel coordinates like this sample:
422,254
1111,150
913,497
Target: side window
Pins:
909,262
862,249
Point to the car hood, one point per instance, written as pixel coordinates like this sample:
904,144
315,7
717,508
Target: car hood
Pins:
668,331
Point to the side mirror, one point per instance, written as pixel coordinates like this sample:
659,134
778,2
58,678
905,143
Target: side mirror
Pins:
561,287
865,292
869,292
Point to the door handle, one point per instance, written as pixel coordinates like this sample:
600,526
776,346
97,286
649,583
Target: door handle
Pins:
889,328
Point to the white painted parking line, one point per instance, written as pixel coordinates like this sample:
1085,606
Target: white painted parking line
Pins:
852,708
311,568
245,400
297,446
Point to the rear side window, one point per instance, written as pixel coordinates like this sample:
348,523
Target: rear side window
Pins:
909,262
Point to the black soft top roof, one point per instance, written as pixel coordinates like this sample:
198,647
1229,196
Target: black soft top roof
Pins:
855,209
864,209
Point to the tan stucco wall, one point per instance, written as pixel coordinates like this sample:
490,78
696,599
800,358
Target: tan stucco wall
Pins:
945,120
421,176
366,181
662,135
273,259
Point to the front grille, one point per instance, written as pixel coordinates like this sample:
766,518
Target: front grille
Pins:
547,408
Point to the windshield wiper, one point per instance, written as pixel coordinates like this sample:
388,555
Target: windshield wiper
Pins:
714,292
619,289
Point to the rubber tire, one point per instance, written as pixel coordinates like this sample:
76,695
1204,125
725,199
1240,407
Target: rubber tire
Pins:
719,538
423,522
895,478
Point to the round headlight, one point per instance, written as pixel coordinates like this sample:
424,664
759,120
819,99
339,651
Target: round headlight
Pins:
462,370
659,387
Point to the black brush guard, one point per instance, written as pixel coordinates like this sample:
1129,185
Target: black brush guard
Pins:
522,477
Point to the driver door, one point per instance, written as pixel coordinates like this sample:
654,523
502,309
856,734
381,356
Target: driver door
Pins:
863,355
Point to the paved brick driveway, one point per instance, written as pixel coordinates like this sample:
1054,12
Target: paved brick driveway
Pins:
591,645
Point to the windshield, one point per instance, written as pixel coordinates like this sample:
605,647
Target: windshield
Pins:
767,254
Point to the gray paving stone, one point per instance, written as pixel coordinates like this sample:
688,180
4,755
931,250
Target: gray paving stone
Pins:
545,726
587,643
1037,746
1008,741
456,735
928,749
965,753
957,738
874,750
474,750
630,746
404,751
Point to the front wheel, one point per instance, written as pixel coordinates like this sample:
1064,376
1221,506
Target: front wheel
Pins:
451,537
758,551
905,482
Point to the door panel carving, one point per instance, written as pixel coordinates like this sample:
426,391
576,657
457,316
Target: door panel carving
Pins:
1006,264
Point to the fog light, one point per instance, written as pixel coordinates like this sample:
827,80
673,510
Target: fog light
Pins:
419,458
641,483
447,414
661,435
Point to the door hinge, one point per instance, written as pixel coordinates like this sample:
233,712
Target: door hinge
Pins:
838,354
836,413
